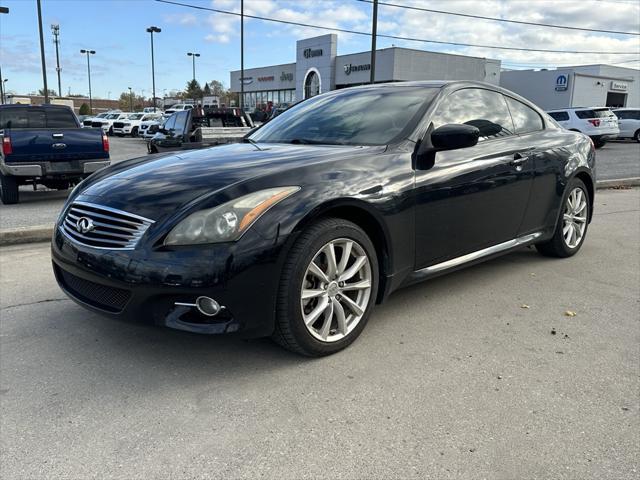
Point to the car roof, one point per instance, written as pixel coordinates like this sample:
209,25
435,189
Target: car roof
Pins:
23,105
578,108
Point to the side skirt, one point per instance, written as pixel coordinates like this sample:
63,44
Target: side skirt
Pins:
471,258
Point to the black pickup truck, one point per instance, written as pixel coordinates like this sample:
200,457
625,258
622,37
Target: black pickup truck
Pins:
45,144
192,129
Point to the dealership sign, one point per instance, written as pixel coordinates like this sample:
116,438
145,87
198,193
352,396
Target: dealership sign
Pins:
312,52
348,68
619,86
286,77
246,80
562,83
269,78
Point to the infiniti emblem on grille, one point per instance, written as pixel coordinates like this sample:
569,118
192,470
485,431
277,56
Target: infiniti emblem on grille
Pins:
84,225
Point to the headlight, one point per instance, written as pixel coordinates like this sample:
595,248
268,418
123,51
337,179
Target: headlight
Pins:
226,222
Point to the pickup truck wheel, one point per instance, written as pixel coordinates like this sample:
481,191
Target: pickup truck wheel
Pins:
637,136
110,132
134,132
8,190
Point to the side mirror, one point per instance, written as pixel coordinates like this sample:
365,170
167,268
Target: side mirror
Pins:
446,137
454,136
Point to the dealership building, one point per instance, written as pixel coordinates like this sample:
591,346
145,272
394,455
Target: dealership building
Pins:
581,86
318,68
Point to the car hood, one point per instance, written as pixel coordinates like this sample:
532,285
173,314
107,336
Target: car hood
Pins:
156,186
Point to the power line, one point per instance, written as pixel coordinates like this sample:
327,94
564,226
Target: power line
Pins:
495,19
394,37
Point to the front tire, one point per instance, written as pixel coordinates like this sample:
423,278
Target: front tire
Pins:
327,289
573,222
134,132
9,193
636,136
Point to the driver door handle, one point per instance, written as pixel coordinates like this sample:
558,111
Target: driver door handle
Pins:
518,160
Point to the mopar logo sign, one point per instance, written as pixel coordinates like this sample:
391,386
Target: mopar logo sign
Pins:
562,82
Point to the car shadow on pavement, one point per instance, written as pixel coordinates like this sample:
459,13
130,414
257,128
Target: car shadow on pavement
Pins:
27,195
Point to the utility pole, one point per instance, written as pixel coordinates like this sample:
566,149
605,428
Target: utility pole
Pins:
193,56
42,59
242,55
55,29
374,33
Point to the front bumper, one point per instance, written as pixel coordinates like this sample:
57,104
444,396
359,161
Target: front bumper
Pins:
144,285
122,131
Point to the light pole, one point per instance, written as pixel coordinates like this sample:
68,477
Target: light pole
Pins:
242,55
3,88
55,29
130,100
193,57
87,53
374,31
153,30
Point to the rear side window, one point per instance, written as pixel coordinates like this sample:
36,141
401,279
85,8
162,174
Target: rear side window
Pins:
181,121
593,113
559,116
60,118
525,119
484,109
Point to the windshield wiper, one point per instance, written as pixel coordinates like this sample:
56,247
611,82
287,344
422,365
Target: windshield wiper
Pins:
252,142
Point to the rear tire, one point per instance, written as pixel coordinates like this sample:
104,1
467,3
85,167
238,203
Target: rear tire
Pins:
636,136
327,289
9,193
134,132
573,222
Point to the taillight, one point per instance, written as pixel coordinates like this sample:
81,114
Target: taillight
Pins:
105,143
595,122
7,149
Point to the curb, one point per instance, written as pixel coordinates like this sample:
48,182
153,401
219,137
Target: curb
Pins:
621,183
43,233
15,236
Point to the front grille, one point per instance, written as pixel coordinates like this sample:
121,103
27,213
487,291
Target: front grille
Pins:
87,123
96,124
103,227
106,298
118,124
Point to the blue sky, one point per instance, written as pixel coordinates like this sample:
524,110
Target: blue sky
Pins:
116,30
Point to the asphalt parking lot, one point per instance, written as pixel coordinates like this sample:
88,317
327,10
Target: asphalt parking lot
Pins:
460,377
617,160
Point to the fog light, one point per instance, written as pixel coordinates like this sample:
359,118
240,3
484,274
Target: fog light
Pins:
207,306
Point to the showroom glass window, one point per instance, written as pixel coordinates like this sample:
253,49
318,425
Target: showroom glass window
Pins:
485,109
525,119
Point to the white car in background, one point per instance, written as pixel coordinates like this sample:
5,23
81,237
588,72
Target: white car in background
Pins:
131,125
179,107
148,127
106,123
87,121
629,122
599,123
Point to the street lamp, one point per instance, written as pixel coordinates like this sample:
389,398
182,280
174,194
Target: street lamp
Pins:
193,57
3,89
130,100
87,53
153,30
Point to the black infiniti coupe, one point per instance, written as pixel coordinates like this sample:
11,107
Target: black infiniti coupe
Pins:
321,213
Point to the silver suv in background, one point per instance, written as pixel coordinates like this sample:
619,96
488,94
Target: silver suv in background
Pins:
629,122
599,123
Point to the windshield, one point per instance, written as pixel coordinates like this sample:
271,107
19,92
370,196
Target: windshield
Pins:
362,116
101,115
112,116
594,113
136,116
